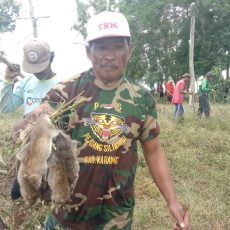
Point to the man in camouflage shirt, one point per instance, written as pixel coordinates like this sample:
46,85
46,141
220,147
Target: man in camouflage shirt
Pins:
118,113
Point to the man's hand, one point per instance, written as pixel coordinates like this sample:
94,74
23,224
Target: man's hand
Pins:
41,109
11,74
158,167
182,217
31,117
187,92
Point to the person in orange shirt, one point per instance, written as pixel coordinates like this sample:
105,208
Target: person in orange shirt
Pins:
169,89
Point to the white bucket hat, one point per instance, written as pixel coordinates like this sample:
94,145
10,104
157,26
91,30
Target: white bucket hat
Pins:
107,24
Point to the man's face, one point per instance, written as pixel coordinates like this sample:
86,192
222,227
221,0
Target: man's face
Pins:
210,78
43,75
109,57
187,79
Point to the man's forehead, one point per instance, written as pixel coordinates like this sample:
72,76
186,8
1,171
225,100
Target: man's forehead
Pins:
109,40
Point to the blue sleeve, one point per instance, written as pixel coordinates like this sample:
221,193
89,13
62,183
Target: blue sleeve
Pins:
9,101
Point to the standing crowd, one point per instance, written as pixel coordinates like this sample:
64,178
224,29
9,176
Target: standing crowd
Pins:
175,94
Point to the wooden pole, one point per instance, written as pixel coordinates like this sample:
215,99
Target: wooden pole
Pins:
227,66
33,19
191,59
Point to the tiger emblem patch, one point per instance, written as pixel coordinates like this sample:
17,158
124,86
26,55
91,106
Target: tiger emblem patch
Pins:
106,126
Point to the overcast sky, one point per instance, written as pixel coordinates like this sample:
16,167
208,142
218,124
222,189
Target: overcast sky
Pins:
70,57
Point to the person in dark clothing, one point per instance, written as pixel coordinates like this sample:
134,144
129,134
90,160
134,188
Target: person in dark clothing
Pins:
204,89
160,90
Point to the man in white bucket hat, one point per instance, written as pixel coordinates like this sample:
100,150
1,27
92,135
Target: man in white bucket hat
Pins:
118,113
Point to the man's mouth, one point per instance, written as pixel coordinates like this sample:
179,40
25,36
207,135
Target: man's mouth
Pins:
109,67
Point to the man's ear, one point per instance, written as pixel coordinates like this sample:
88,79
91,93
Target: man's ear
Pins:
52,56
130,50
87,48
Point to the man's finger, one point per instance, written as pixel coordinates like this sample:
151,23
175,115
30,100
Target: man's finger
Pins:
187,220
179,215
176,227
185,224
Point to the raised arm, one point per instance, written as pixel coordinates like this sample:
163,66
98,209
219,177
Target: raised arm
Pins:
9,102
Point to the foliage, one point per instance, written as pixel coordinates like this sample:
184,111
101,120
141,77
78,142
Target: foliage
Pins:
154,26
86,9
9,11
162,28
220,86
160,35
211,36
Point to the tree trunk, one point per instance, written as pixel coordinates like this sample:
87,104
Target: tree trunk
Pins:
191,59
227,66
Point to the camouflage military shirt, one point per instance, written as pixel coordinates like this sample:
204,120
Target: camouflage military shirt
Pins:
107,128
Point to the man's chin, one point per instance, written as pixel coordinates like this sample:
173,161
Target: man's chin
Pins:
41,77
111,77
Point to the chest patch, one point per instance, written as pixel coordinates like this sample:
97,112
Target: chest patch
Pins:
106,126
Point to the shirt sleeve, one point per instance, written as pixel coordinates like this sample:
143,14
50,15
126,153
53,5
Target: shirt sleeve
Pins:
56,96
150,127
10,101
205,87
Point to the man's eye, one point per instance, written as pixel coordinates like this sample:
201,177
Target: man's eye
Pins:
101,47
119,46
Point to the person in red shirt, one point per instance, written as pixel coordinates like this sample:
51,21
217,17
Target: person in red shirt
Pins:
178,95
169,89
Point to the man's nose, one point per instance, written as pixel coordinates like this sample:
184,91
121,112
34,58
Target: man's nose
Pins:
110,54
109,57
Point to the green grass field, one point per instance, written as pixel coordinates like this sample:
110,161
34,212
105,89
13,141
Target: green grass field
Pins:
198,151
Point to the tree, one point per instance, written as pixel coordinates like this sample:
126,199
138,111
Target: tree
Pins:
155,26
212,36
86,9
162,30
9,11
160,34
